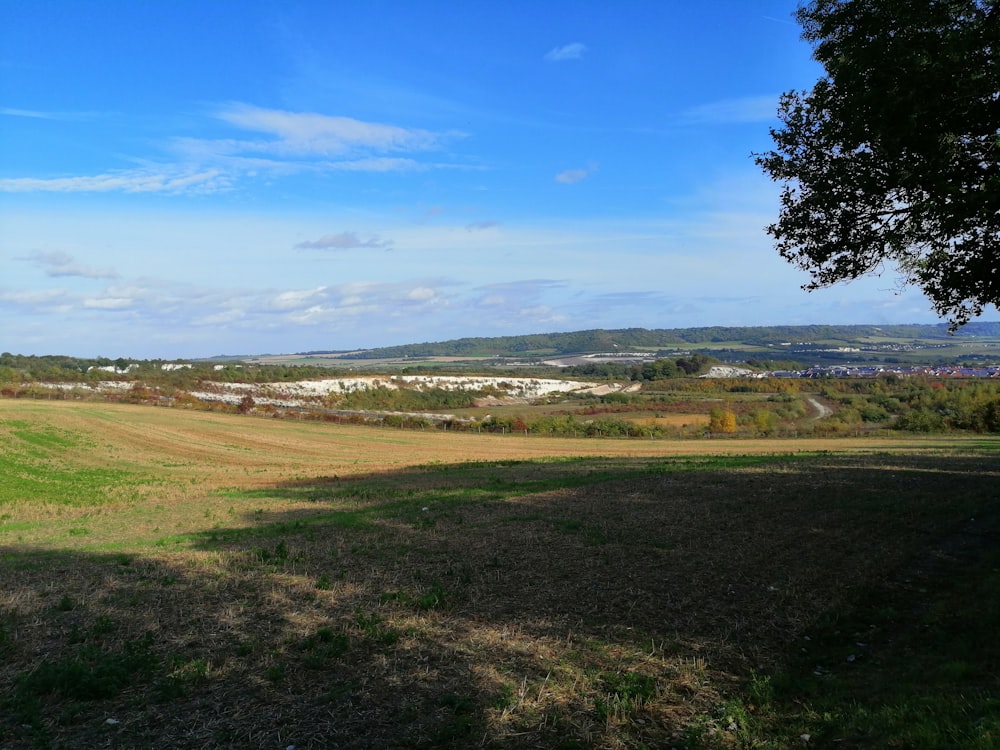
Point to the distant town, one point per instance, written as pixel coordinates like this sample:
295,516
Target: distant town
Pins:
872,371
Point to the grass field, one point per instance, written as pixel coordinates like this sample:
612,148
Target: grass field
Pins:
191,580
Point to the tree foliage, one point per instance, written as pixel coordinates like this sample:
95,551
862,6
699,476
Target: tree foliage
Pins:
894,155
722,420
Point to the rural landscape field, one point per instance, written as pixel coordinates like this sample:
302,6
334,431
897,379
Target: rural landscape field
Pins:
200,579
300,450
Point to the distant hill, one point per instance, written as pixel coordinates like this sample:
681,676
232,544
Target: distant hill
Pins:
625,339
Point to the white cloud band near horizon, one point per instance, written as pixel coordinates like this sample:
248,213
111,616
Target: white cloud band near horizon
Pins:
584,266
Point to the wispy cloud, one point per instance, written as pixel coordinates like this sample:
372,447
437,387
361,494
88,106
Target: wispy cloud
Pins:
34,299
309,133
344,241
108,303
39,115
279,143
573,176
125,181
286,142
61,264
297,299
516,304
381,164
746,109
515,294
34,114
572,51
373,301
632,299
481,226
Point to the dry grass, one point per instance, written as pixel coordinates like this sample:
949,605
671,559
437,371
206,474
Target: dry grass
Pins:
324,586
178,460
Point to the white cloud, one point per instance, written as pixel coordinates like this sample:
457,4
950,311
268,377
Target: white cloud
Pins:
34,114
572,51
541,314
492,300
296,142
515,297
108,303
421,294
313,315
222,318
295,299
381,164
572,176
309,133
288,143
344,241
126,181
36,298
61,264
39,115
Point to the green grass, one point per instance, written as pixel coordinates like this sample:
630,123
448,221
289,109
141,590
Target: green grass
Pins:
35,468
914,664
426,494
28,477
94,665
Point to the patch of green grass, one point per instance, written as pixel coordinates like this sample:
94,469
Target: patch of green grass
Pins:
41,435
435,491
527,518
191,671
914,667
93,671
375,629
590,534
621,693
185,675
323,646
457,721
8,622
276,672
44,478
436,597
36,464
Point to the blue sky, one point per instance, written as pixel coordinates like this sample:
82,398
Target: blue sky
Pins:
184,179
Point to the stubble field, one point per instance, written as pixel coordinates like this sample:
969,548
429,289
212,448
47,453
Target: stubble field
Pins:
190,579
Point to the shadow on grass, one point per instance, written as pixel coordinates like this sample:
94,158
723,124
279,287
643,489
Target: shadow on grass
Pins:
591,604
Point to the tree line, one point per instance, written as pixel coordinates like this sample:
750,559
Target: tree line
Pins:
602,340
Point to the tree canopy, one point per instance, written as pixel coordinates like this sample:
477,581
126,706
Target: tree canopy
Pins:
893,158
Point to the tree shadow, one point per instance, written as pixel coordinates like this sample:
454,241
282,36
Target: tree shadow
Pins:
596,603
